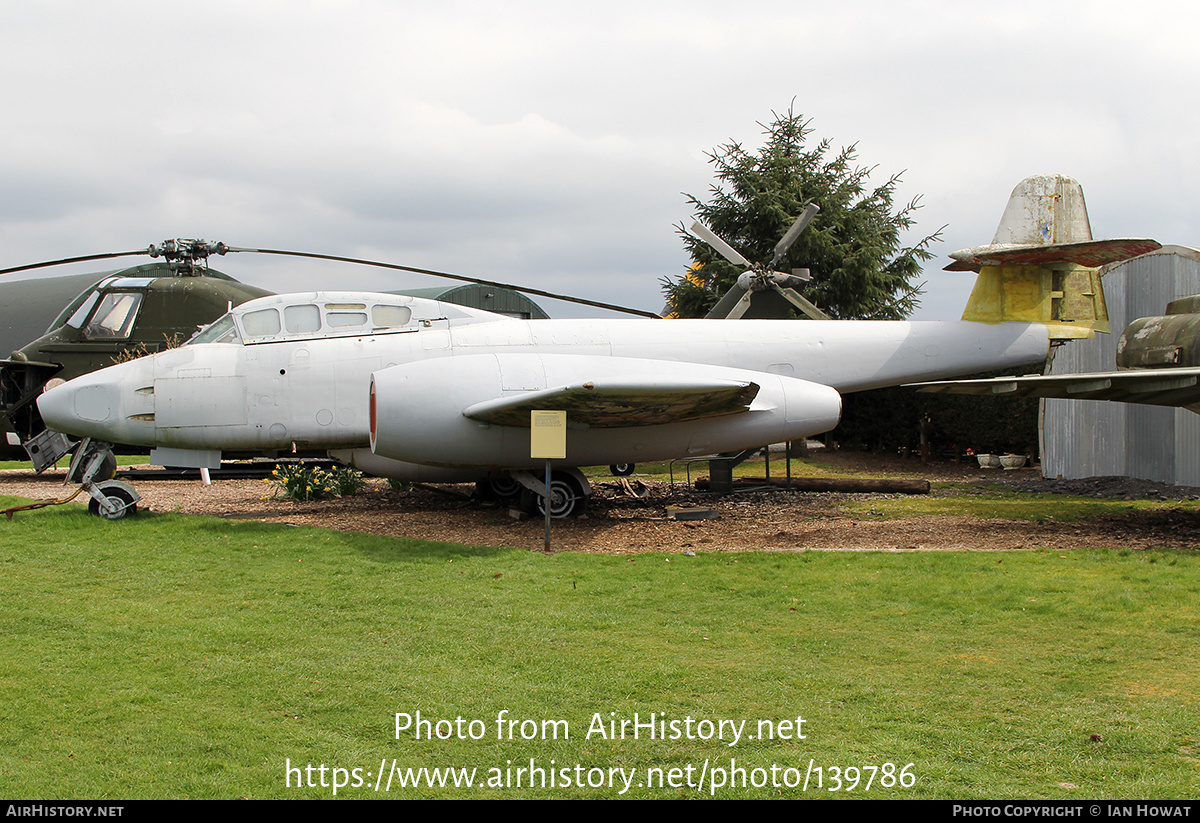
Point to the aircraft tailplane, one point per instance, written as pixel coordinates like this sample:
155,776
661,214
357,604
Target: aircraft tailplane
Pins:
1043,265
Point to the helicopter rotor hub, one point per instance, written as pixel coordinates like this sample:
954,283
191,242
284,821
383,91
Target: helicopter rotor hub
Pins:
186,256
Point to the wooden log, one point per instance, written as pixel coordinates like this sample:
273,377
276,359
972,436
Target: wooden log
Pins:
832,484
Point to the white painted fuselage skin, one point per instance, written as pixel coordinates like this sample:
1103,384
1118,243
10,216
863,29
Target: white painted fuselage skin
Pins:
313,391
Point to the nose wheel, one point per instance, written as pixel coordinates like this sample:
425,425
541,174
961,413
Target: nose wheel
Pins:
118,501
93,467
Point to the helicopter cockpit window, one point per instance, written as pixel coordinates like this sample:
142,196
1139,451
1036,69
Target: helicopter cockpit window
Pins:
75,321
114,317
222,331
261,323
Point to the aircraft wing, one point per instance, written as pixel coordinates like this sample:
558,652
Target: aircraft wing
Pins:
1158,387
623,402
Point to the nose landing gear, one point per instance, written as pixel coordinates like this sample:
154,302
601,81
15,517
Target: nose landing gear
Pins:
93,467
120,499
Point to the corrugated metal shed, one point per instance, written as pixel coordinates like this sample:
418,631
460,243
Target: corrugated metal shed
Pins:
1092,438
488,298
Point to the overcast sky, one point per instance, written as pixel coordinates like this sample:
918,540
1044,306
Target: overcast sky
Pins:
550,144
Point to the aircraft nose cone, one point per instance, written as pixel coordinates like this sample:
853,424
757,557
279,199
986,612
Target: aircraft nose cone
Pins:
79,409
95,405
58,407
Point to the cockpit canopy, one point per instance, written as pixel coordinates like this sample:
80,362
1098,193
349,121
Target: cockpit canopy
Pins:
314,315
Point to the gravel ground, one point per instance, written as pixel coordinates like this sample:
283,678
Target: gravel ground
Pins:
617,523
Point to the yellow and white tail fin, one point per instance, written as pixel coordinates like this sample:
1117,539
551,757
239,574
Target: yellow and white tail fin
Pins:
1043,265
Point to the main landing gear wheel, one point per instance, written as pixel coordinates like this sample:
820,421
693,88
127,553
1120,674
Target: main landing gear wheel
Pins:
621,469
566,498
122,499
503,487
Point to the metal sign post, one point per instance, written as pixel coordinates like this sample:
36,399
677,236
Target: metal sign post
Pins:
548,440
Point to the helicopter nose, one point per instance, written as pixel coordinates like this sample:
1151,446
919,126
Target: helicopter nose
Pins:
102,405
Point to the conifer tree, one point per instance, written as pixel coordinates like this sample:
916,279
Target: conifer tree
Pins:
854,249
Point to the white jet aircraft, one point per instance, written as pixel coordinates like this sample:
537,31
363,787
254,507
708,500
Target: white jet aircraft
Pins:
422,390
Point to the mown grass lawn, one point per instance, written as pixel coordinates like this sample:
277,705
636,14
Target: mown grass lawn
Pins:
173,656
1010,506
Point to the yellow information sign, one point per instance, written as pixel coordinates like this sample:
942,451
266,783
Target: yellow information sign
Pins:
548,435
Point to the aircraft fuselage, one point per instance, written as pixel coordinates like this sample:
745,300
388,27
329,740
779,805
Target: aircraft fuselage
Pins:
268,393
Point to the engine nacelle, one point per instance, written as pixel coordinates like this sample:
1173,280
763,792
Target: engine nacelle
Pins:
417,410
373,464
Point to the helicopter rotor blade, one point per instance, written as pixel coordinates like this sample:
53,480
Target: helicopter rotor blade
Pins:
724,249
66,260
729,301
781,248
200,249
742,306
802,303
181,255
462,278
